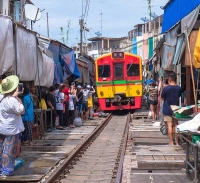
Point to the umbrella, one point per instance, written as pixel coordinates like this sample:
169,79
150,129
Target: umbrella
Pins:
149,81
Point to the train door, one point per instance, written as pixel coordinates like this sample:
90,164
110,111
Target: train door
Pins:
118,71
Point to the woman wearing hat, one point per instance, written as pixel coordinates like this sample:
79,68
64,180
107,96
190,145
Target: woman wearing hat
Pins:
11,125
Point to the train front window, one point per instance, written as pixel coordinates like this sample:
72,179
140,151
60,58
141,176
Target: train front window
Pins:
118,70
104,71
133,70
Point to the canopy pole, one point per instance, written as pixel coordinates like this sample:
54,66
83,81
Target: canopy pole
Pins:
191,68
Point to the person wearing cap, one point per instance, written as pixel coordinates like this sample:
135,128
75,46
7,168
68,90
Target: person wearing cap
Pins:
80,101
170,95
11,125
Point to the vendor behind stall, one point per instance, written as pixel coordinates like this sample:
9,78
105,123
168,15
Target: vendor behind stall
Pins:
170,95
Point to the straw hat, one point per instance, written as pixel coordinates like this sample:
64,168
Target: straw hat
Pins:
9,84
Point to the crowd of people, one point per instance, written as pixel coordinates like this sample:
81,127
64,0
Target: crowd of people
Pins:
17,114
69,102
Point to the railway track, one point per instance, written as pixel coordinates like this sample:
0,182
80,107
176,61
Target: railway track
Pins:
99,158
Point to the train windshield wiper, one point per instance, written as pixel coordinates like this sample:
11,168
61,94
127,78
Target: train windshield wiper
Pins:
102,71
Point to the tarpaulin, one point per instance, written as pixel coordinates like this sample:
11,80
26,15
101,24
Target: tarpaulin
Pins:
197,52
7,50
188,22
26,54
150,44
176,10
134,41
169,48
58,73
45,76
69,64
180,47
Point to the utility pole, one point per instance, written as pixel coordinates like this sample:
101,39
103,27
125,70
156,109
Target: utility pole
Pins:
101,24
81,34
47,25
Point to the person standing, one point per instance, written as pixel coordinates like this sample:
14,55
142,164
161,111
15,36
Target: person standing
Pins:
51,104
59,96
170,95
71,109
28,116
80,101
11,125
66,103
153,100
90,101
85,99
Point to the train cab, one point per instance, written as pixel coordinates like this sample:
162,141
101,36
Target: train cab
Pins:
119,81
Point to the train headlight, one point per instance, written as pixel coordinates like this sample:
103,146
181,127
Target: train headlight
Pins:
102,93
138,92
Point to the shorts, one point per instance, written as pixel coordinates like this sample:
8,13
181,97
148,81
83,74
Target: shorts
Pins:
85,106
153,102
80,107
168,118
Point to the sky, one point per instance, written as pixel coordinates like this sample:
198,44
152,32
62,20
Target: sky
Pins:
118,17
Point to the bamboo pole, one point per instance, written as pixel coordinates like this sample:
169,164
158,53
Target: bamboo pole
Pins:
191,69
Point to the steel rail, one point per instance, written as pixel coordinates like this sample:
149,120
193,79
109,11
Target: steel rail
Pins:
120,168
55,176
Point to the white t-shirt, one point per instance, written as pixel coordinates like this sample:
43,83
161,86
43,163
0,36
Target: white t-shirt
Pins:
71,102
59,96
10,116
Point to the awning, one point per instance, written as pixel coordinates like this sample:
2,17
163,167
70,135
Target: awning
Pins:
26,53
45,68
160,43
68,62
7,50
176,10
169,48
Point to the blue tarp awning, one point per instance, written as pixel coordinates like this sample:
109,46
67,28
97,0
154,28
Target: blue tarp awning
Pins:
175,10
68,61
65,62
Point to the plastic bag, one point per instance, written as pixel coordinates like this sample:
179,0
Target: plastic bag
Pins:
149,115
43,105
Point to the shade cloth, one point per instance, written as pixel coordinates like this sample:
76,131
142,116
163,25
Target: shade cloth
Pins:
58,73
26,54
45,76
7,50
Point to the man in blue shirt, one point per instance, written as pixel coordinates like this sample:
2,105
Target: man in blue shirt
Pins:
170,95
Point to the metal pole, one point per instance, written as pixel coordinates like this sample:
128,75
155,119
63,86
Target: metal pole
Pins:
22,11
47,25
81,35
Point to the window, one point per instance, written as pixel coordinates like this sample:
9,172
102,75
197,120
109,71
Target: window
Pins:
104,71
133,70
118,71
